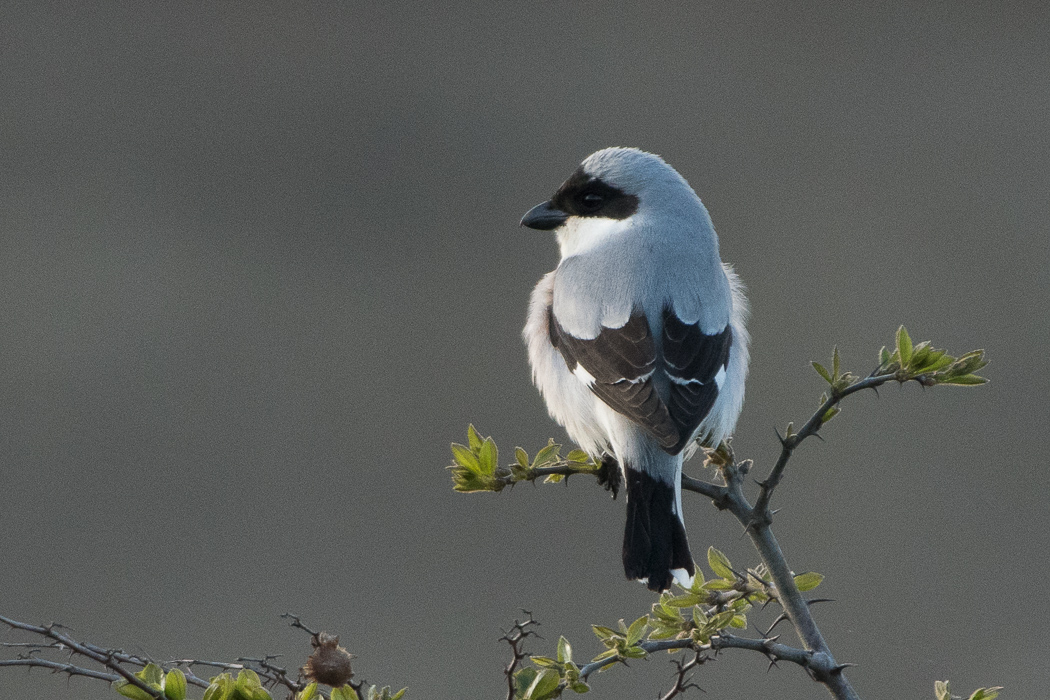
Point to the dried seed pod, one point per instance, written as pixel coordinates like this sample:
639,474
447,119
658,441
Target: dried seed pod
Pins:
330,663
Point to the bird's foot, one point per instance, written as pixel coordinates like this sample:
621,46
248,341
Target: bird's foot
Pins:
609,475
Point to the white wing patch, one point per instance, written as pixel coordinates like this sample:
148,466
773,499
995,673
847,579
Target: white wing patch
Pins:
720,378
583,375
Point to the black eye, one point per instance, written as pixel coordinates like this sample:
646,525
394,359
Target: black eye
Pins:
592,201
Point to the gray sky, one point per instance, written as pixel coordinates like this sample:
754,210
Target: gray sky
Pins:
260,265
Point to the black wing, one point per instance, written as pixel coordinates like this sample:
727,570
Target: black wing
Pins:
623,360
692,360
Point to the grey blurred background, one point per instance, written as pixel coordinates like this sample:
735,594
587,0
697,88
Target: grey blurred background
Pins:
260,264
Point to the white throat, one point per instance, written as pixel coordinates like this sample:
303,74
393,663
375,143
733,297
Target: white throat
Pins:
580,234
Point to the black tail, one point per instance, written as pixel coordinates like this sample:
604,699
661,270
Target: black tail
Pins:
654,540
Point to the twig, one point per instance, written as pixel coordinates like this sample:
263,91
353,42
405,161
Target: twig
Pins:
682,683
56,667
516,639
112,659
819,663
812,426
298,624
106,659
767,647
716,493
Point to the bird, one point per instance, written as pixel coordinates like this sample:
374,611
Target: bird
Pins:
637,340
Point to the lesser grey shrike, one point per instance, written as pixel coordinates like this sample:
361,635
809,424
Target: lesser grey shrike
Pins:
637,339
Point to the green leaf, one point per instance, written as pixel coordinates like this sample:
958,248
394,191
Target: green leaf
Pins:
904,346
152,674
522,456
216,691
720,564
488,455
578,456
564,650
466,481
920,354
808,581
830,413
986,693
683,601
346,692
465,458
939,363
963,380
932,361
610,654
722,620
399,694
717,584
473,439
821,371
739,621
662,632
970,362
547,454
130,691
523,680
635,653
175,684
884,357
579,687
637,630
307,693
544,685
942,690
544,661
603,633
248,678
554,479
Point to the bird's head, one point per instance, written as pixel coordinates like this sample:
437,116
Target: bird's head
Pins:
611,192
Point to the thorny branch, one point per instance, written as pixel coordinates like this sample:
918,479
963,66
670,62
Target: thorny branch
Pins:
812,427
815,658
56,667
682,680
516,637
115,660
770,648
107,658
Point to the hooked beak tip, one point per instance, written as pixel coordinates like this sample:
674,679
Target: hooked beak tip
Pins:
544,217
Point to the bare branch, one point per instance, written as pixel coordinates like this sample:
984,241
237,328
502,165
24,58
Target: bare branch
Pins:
298,624
812,426
516,637
56,667
682,682
820,664
115,660
106,659
716,493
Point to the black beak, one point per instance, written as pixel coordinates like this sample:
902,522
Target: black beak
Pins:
544,217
